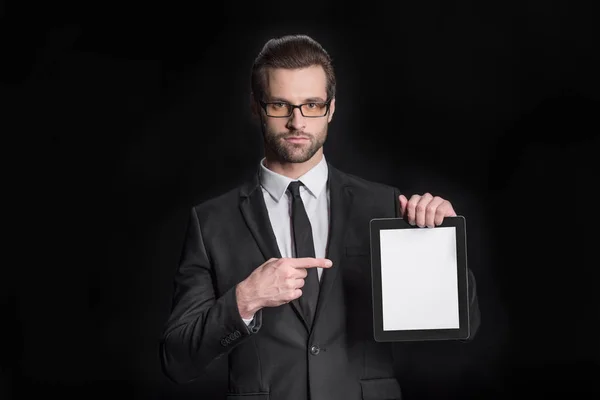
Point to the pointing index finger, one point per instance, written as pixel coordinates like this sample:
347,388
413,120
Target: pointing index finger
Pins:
308,262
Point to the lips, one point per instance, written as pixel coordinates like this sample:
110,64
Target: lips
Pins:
297,138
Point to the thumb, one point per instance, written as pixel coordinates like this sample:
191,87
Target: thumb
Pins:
403,203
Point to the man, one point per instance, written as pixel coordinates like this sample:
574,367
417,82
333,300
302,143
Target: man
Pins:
276,274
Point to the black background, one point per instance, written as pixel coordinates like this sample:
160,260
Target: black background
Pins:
119,116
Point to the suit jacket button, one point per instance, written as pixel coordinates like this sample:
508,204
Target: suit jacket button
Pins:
314,349
223,342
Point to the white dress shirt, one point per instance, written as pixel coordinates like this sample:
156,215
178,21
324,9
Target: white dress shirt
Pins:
315,196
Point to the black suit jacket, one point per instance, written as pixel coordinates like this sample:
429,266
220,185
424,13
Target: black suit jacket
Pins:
280,358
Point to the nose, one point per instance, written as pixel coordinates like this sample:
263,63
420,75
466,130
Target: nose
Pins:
296,121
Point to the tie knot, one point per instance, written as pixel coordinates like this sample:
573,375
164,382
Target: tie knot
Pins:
294,188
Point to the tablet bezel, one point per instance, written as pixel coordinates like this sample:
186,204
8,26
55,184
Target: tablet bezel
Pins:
381,335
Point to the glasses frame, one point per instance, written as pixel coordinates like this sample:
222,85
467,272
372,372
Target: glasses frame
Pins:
264,105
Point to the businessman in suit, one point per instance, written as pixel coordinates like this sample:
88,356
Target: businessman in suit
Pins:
275,274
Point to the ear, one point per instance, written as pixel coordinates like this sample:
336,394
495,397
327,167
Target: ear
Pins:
254,109
253,105
331,110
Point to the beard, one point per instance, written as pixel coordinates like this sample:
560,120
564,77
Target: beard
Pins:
294,152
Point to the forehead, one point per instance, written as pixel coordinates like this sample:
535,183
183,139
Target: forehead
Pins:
297,84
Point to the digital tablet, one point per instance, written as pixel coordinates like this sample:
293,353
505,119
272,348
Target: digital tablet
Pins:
419,280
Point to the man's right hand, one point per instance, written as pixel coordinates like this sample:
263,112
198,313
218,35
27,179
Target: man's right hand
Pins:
278,281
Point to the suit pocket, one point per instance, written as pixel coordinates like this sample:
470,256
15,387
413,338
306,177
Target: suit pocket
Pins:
380,389
248,396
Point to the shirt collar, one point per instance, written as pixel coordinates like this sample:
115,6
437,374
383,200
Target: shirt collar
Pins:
276,185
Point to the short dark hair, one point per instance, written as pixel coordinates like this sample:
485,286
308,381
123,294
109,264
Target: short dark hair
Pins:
290,52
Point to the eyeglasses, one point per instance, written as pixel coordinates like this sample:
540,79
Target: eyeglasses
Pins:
280,109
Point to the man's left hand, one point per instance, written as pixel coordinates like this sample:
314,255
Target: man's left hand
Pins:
425,210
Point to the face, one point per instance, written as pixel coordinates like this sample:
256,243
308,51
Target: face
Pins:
295,139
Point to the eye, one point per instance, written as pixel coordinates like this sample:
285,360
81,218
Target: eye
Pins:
278,105
312,105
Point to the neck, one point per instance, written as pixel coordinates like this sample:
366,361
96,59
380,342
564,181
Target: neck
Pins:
293,170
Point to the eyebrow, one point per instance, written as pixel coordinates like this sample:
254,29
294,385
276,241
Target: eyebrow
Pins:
307,100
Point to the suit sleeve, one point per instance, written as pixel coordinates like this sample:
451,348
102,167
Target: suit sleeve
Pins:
474,314
201,327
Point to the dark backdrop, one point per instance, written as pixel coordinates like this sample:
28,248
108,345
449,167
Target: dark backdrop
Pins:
124,115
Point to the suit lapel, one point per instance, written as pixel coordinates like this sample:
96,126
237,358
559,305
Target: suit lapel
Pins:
340,205
254,210
255,213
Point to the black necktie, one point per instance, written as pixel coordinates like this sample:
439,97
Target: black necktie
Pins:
304,245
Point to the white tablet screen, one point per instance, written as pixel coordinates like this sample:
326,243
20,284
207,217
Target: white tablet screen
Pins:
419,278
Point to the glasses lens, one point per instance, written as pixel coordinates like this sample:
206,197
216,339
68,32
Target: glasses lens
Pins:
278,109
314,109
